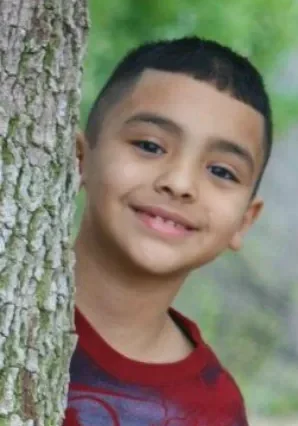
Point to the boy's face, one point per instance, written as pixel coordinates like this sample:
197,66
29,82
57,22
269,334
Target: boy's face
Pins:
179,149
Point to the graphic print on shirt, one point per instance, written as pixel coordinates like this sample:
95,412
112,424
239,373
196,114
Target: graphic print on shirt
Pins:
98,399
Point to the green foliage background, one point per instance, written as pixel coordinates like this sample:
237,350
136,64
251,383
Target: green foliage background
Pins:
266,32
263,30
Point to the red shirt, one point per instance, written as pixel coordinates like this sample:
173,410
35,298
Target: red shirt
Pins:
109,389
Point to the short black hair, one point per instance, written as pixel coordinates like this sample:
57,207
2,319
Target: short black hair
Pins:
200,59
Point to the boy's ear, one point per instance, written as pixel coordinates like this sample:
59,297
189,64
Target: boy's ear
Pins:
81,150
250,216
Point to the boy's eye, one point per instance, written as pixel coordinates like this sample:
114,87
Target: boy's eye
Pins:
150,147
223,173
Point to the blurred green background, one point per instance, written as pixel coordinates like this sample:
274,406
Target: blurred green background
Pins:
245,304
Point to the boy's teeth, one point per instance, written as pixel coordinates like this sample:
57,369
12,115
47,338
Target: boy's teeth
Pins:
169,222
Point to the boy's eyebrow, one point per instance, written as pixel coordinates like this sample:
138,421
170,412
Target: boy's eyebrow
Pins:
217,144
160,121
223,145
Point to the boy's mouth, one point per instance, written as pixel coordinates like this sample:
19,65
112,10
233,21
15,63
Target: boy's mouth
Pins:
165,221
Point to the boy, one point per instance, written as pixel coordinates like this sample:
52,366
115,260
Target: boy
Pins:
174,151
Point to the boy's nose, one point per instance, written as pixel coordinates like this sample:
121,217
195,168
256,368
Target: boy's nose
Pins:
178,183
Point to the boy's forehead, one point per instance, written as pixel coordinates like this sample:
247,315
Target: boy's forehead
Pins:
156,89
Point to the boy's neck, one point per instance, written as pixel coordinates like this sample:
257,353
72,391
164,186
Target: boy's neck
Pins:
130,312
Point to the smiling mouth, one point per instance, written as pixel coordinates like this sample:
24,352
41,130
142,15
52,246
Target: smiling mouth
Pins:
163,225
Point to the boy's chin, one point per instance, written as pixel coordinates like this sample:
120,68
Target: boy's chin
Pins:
161,269
160,258
169,264
161,264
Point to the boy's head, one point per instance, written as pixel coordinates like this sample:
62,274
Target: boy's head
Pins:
182,128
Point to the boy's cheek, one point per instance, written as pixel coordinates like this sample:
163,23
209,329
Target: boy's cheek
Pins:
120,177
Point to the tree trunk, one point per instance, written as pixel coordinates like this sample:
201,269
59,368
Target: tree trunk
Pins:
41,51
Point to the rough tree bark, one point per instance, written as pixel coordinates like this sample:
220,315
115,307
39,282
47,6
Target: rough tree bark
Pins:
41,52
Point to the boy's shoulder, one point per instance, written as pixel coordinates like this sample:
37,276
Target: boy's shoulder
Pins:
217,386
211,371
